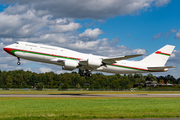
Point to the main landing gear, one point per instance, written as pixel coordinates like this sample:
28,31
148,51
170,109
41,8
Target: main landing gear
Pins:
87,73
18,63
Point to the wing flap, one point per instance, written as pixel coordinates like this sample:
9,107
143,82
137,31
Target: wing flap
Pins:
113,60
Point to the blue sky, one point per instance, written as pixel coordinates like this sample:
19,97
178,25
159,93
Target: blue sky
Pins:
142,27
121,27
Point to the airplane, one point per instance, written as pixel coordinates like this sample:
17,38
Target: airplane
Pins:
86,63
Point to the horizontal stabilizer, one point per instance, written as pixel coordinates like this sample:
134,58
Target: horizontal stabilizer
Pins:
160,68
113,60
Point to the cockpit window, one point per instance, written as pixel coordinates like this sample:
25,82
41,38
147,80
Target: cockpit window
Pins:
16,42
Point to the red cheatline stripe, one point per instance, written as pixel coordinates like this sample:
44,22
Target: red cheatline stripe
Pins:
134,68
159,52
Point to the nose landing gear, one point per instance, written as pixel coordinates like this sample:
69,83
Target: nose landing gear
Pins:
18,63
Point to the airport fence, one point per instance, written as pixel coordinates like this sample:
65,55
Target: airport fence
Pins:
155,89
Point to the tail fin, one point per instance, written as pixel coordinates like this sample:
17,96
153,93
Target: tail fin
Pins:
160,57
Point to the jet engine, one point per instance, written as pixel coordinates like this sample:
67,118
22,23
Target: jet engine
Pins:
94,63
70,65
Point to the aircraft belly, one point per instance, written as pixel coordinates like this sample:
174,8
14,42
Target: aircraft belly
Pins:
25,55
34,57
120,70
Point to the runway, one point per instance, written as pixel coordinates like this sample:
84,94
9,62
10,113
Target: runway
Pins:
95,95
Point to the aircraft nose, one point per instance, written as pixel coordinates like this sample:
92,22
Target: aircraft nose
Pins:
8,50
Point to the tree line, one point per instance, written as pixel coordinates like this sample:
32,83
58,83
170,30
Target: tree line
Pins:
28,79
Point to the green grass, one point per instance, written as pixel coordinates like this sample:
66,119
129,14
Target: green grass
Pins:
84,92
88,108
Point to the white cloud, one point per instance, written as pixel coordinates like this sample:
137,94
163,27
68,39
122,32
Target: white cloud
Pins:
96,9
157,36
43,70
55,39
2,45
66,27
175,56
59,72
91,34
161,2
172,30
169,33
128,35
178,35
28,69
6,66
24,25
7,40
104,48
29,25
63,71
139,51
16,9
165,35
85,45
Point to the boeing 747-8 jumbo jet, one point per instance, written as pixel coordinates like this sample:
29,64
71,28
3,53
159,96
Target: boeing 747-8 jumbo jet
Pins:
70,60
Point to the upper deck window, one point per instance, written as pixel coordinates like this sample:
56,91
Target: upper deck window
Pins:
16,42
48,48
30,45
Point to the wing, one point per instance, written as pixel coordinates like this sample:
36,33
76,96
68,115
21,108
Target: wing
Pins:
113,60
84,63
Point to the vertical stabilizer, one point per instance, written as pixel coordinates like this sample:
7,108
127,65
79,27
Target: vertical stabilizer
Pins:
160,57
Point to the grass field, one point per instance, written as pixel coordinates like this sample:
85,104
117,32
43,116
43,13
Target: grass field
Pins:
88,108
84,92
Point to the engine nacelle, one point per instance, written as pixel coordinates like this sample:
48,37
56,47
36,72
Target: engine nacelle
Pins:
94,63
70,65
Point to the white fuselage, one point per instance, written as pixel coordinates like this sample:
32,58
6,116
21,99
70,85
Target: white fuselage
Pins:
49,54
